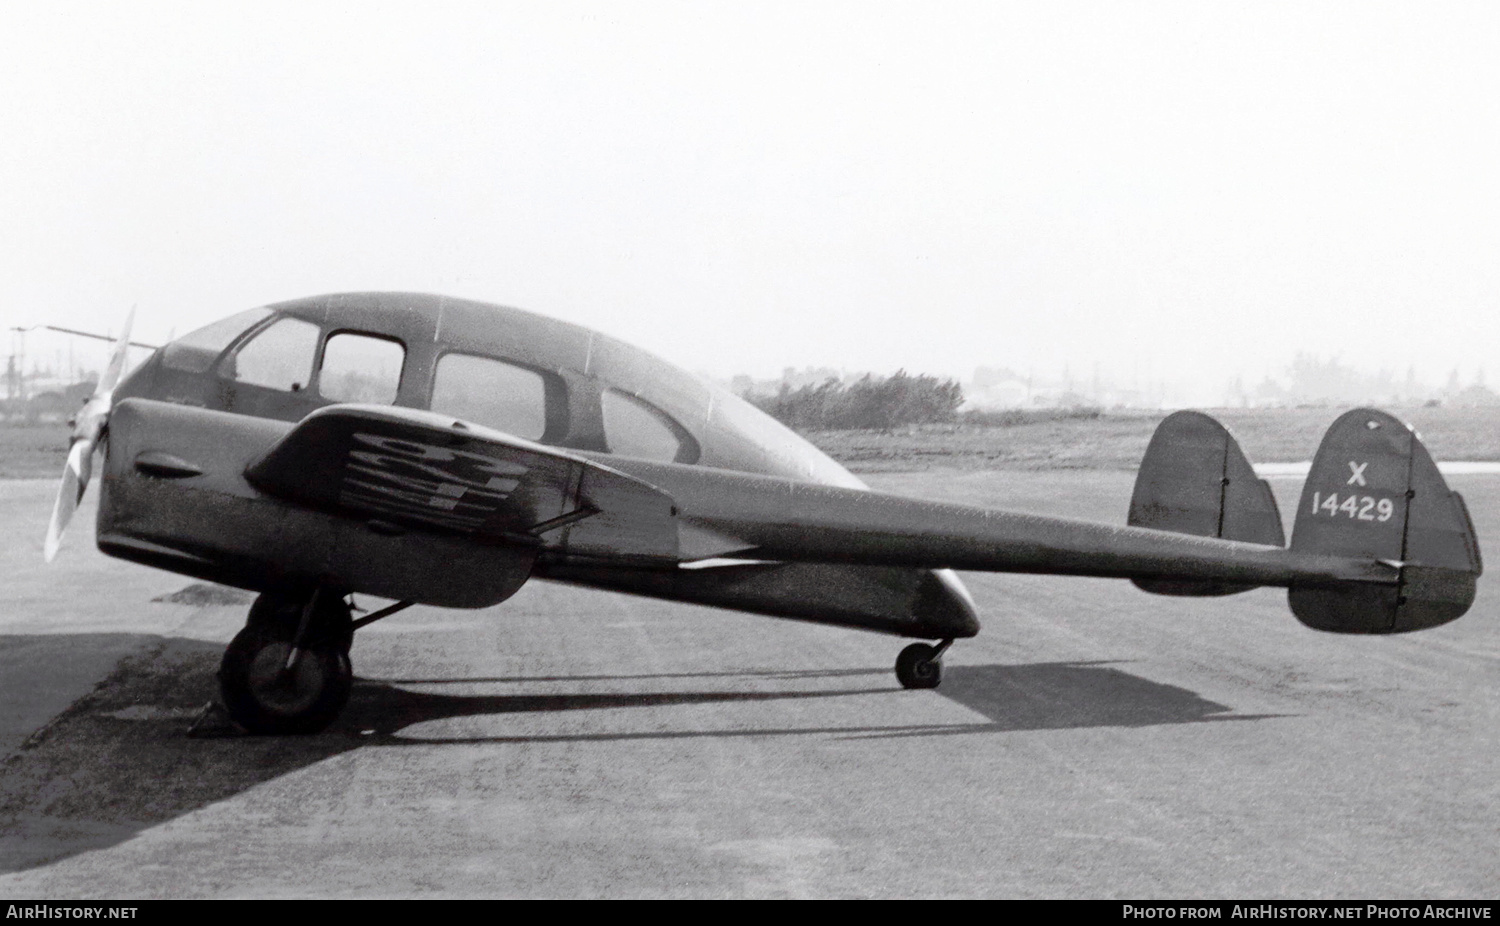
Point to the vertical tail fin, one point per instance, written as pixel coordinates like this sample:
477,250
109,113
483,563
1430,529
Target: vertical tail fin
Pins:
1374,492
1195,479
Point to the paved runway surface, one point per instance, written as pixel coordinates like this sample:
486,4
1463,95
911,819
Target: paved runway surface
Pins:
1093,741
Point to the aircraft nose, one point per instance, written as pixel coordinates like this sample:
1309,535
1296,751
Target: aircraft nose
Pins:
944,608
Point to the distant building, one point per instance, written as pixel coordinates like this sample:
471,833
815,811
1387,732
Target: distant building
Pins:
997,396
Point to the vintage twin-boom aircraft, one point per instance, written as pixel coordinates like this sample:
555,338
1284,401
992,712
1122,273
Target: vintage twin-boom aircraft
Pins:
442,451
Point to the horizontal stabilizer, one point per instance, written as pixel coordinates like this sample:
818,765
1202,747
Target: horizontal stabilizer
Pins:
1196,480
1374,492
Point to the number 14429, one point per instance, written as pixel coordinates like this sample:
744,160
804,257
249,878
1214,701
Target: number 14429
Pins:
1359,507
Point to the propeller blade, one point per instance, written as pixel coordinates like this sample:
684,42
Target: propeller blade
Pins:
88,428
111,376
69,494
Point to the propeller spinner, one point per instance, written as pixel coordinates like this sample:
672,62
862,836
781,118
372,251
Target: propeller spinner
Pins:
88,427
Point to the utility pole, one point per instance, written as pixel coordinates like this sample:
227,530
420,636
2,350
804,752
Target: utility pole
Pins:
17,367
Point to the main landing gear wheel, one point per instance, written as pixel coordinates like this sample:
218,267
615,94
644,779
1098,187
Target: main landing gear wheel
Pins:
288,671
920,665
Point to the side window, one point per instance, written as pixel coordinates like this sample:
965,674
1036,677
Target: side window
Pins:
196,352
493,393
635,428
280,357
360,368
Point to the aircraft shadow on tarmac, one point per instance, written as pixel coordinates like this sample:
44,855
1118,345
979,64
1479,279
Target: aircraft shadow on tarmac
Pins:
1067,695
118,761
1041,696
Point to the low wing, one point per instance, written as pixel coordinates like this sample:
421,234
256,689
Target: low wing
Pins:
405,468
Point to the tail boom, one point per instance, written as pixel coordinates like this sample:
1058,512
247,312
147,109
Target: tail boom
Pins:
782,520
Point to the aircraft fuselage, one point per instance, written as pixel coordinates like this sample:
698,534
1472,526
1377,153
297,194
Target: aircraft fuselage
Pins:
192,418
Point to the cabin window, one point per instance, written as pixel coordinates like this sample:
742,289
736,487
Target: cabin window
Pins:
634,428
361,368
492,393
280,357
196,352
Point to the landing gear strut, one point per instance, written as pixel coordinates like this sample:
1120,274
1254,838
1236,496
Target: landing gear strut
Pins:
920,665
288,671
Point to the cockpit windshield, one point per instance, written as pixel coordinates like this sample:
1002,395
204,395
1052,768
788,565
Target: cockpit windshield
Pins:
197,351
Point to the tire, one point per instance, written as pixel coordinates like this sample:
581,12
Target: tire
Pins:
916,667
261,697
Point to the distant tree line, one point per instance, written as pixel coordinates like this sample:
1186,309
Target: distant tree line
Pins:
871,402
1314,380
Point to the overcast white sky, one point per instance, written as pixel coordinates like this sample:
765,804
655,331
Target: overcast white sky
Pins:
1170,190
